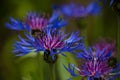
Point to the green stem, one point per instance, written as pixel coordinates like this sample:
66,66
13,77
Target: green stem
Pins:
52,71
39,62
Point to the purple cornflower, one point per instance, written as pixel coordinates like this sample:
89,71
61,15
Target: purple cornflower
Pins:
94,70
52,40
95,64
52,43
35,22
78,11
94,67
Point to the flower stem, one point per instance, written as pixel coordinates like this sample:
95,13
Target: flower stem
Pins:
52,71
40,73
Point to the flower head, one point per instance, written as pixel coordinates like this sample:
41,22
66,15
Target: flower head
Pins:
78,11
52,40
52,43
73,10
94,70
35,22
95,63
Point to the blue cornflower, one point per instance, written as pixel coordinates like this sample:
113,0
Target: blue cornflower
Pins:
35,22
94,64
94,70
77,11
52,43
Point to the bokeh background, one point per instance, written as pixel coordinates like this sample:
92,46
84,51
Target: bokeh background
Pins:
31,66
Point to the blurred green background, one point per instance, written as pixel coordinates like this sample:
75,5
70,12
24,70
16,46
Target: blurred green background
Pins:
31,66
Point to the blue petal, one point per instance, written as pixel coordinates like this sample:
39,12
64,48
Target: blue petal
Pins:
70,69
15,25
111,2
68,9
108,54
24,46
55,15
59,23
73,38
93,8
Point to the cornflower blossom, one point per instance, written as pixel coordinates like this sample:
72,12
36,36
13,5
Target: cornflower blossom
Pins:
78,11
94,67
94,70
36,22
52,43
